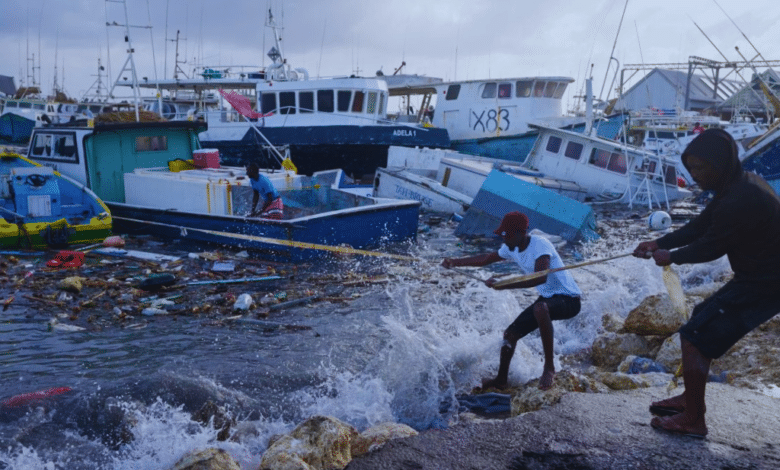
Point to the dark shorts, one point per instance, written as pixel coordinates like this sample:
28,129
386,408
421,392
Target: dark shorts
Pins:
733,311
561,307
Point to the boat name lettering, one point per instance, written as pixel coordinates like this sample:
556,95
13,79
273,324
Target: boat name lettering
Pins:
495,119
404,133
407,193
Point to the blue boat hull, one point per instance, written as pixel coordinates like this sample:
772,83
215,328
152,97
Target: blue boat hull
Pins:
766,163
547,210
370,227
358,150
15,129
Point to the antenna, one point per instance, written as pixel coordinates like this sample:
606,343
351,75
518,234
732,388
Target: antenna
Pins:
129,65
606,73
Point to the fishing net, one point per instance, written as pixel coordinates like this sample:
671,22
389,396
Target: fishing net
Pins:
677,297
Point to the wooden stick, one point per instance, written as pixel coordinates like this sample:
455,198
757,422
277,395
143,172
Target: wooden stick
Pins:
536,275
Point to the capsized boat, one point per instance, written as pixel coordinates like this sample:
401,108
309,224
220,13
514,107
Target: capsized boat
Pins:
145,174
763,157
41,208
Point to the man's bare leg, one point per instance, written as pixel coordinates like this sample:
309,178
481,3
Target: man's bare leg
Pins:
542,315
696,368
505,358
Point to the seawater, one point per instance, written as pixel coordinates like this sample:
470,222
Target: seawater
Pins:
401,352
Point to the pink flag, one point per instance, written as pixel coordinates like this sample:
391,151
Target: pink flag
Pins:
242,105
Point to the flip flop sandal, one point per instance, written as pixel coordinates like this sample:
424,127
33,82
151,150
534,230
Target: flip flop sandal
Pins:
660,424
660,410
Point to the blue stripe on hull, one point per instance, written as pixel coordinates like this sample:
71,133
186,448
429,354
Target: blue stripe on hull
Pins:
359,150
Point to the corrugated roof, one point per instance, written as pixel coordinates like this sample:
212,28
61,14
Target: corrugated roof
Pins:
702,91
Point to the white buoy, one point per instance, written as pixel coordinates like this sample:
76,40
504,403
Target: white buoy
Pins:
659,220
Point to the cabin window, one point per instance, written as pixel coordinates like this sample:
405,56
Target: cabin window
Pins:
287,102
325,101
42,145
268,103
505,90
11,104
39,107
617,163
670,175
554,144
306,101
381,104
599,158
559,91
65,146
155,143
452,92
573,150
344,97
357,103
549,91
55,147
489,90
539,88
25,105
523,88
371,104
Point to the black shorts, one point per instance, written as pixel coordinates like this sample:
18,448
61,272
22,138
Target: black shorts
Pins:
561,307
726,316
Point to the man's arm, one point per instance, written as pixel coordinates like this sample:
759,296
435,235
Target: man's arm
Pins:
542,264
478,260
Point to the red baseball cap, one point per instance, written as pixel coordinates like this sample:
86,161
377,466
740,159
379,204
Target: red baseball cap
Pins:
512,223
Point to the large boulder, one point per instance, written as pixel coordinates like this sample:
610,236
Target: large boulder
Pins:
375,437
321,443
530,398
654,316
207,459
670,354
622,381
609,349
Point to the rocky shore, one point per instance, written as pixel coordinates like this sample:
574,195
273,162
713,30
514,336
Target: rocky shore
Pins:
597,431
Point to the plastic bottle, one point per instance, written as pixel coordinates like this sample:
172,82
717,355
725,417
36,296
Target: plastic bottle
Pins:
243,302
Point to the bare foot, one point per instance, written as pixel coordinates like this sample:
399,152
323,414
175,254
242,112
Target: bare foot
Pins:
546,380
681,424
494,383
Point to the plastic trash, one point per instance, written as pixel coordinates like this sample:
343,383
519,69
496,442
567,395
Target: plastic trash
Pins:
243,302
643,365
223,266
157,281
152,311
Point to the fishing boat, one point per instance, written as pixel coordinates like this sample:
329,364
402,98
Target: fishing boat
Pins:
492,117
42,208
668,131
146,174
327,123
447,181
763,157
607,170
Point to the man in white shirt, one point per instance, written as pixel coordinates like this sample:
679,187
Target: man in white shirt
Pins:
559,295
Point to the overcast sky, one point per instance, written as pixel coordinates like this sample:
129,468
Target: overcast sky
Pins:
449,39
